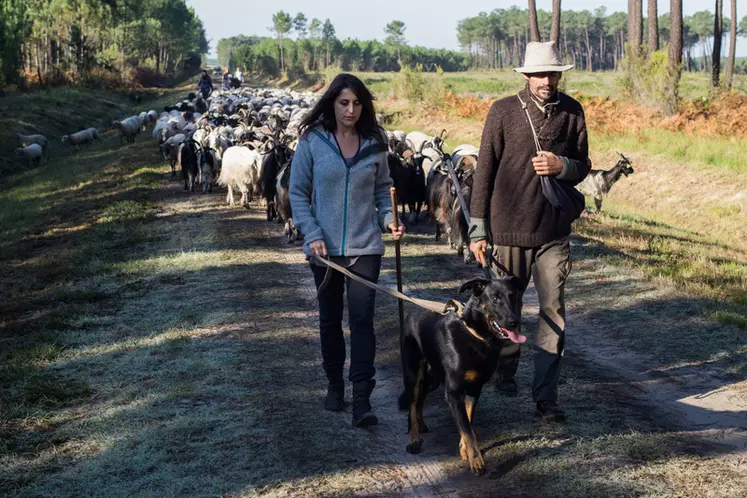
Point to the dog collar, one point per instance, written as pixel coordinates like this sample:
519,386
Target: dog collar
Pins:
454,306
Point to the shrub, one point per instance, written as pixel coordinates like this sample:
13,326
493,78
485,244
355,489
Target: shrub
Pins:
646,79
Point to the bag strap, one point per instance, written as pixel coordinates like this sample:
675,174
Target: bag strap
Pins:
531,125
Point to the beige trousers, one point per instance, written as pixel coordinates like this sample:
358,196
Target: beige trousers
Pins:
548,265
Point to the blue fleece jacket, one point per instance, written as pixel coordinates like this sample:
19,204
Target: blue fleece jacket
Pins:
346,203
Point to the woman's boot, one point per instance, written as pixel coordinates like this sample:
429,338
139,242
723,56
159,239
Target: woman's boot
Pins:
334,399
362,414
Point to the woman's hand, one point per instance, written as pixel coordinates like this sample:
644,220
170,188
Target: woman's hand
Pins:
318,248
398,232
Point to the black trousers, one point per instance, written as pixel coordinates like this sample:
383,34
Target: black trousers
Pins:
361,301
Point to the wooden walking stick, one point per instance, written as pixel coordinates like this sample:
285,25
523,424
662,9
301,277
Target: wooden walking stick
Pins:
398,259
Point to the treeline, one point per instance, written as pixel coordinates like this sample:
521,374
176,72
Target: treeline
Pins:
316,47
97,41
591,40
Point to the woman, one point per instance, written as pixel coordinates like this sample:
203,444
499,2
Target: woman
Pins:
339,193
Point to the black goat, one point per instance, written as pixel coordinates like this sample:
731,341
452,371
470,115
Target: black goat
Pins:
441,195
409,180
283,203
458,223
209,167
272,163
189,160
599,182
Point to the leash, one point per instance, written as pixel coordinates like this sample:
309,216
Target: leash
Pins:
451,306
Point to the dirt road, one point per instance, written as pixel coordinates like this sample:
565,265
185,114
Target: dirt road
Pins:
201,357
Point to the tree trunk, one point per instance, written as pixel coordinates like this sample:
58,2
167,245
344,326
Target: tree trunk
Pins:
717,35
533,26
732,45
674,70
282,62
653,28
589,67
635,26
555,27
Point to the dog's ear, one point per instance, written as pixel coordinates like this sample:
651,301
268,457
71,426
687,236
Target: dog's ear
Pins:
517,283
476,284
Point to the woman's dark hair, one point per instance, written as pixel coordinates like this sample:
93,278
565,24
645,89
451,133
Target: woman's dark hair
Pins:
323,112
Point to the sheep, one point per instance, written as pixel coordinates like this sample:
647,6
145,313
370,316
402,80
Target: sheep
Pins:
142,117
32,153
79,139
170,150
162,131
27,140
128,128
152,116
94,133
178,122
240,169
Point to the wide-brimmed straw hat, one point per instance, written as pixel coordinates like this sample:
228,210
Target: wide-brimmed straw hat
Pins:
542,57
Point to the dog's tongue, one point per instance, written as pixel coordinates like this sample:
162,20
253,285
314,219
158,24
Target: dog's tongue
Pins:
515,336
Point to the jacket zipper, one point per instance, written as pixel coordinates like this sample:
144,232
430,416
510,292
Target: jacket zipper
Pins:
345,208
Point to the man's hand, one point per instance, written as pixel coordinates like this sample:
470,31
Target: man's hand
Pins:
478,249
398,232
547,163
318,248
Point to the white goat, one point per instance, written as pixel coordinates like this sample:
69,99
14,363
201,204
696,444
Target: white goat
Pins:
240,168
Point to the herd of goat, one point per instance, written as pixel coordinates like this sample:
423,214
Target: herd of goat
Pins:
245,139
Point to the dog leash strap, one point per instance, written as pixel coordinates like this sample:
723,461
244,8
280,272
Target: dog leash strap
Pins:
423,303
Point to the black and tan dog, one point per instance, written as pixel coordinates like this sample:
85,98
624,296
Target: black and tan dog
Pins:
460,350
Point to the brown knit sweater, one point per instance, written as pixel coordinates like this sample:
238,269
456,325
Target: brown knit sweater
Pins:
506,189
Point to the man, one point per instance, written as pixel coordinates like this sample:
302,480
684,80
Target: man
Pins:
205,84
529,233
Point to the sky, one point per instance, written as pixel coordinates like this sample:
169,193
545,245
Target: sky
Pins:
429,23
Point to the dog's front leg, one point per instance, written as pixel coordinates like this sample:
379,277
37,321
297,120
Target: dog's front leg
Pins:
456,400
470,402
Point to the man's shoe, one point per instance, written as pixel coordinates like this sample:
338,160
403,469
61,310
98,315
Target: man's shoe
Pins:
507,387
549,411
333,401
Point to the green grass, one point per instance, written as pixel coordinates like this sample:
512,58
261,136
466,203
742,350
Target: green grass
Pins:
706,152
501,83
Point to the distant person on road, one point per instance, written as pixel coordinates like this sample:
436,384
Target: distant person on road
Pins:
339,194
239,76
534,149
205,84
226,80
